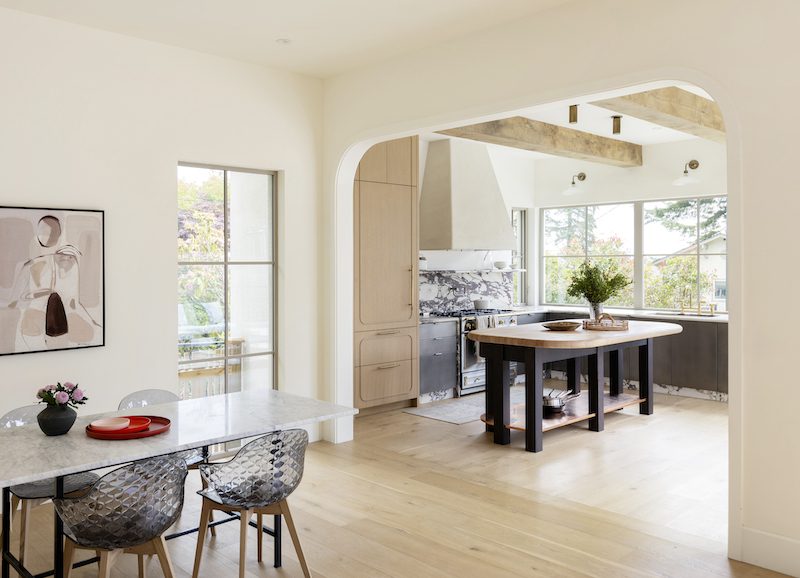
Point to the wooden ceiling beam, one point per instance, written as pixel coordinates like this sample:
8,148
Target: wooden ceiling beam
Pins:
533,135
674,108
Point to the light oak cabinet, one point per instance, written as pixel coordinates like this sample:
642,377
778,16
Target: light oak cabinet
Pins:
386,296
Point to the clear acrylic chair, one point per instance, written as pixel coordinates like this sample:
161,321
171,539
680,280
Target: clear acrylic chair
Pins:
256,481
126,511
27,496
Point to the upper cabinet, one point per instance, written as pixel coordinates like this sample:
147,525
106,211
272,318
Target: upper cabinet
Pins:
386,251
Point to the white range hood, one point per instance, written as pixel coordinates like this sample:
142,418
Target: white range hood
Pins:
461,207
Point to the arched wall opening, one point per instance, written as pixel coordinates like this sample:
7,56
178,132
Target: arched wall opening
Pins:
342,172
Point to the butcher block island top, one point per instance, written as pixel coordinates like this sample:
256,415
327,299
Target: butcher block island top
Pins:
536,335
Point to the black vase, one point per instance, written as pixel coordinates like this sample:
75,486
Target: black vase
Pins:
56,420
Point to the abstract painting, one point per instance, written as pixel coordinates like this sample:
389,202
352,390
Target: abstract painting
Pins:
52,290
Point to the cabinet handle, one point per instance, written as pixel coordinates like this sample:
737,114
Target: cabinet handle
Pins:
393,332
390,366
437,354
412,287
438,338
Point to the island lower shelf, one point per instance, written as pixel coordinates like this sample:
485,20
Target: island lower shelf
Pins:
576,411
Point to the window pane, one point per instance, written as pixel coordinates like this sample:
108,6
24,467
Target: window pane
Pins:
625,266
201,379
200,214
565,231
558,272
610,229
713,225
713,281
670,281
250,216
250,373
670,227
201,319
250,299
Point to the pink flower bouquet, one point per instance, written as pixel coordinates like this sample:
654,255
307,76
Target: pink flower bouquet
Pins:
66,394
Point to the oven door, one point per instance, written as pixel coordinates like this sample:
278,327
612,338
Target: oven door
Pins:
470,358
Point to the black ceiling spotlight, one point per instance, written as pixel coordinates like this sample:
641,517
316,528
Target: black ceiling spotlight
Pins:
573,113
616,124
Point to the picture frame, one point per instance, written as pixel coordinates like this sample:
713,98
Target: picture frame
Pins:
52,279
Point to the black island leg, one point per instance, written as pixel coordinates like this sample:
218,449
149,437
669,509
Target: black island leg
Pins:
497,376
646,377
533,401
574,374
616,359
596,379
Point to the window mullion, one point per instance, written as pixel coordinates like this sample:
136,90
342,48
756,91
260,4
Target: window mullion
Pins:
638,258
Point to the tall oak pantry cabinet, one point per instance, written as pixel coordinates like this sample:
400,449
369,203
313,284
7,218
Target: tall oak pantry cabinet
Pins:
386,276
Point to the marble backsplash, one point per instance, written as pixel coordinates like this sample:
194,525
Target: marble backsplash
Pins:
455,290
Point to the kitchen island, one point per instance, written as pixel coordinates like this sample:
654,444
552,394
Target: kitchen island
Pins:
534,345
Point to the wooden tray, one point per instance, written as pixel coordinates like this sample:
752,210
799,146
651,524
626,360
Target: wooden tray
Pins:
158,425
605,323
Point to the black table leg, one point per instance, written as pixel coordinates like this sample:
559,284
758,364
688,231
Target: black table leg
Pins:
488,407
596,379
58,539
616,359
6,530
646,377
533,401
497,388
277,536
574,374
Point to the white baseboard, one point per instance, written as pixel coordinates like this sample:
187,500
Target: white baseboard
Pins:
771,551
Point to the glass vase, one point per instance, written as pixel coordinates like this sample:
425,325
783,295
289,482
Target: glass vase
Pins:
595,311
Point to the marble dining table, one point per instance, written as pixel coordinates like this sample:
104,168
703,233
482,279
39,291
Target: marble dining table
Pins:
30,456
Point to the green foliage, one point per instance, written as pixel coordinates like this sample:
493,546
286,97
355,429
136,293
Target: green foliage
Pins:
669,280
681,216
596,282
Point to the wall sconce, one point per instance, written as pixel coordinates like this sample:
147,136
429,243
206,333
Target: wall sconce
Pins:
573,188
685,179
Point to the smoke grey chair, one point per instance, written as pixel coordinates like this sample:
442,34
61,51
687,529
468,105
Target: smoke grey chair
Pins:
256,481
146,397
27,496
126,511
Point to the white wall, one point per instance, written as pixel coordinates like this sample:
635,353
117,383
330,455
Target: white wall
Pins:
95,120
737,50
662,164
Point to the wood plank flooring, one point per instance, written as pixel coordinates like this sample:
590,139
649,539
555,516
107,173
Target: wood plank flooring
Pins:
415,497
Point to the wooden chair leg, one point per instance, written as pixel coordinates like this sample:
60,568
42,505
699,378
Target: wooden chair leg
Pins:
245,523
205,516
213,529
23,529
260,521
284,505
105,564
69,556
142,569
160,546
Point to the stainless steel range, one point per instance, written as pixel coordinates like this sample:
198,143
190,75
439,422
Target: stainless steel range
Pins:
472,366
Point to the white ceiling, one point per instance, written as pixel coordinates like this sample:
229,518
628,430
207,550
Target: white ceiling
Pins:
327,36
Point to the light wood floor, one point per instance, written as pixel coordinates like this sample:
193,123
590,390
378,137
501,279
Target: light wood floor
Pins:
414,497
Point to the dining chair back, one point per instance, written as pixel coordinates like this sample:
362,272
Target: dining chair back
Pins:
145,397
257,480
127,510
21,416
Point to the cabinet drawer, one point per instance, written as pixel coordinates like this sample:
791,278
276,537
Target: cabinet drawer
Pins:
384,346
438,371
385,382
435,330
438,345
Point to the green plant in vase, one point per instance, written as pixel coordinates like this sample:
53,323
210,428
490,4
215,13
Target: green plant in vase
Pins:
597,284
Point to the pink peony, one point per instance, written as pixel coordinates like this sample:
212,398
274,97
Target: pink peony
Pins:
50,388
77,394
40,393
61,397
69,385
